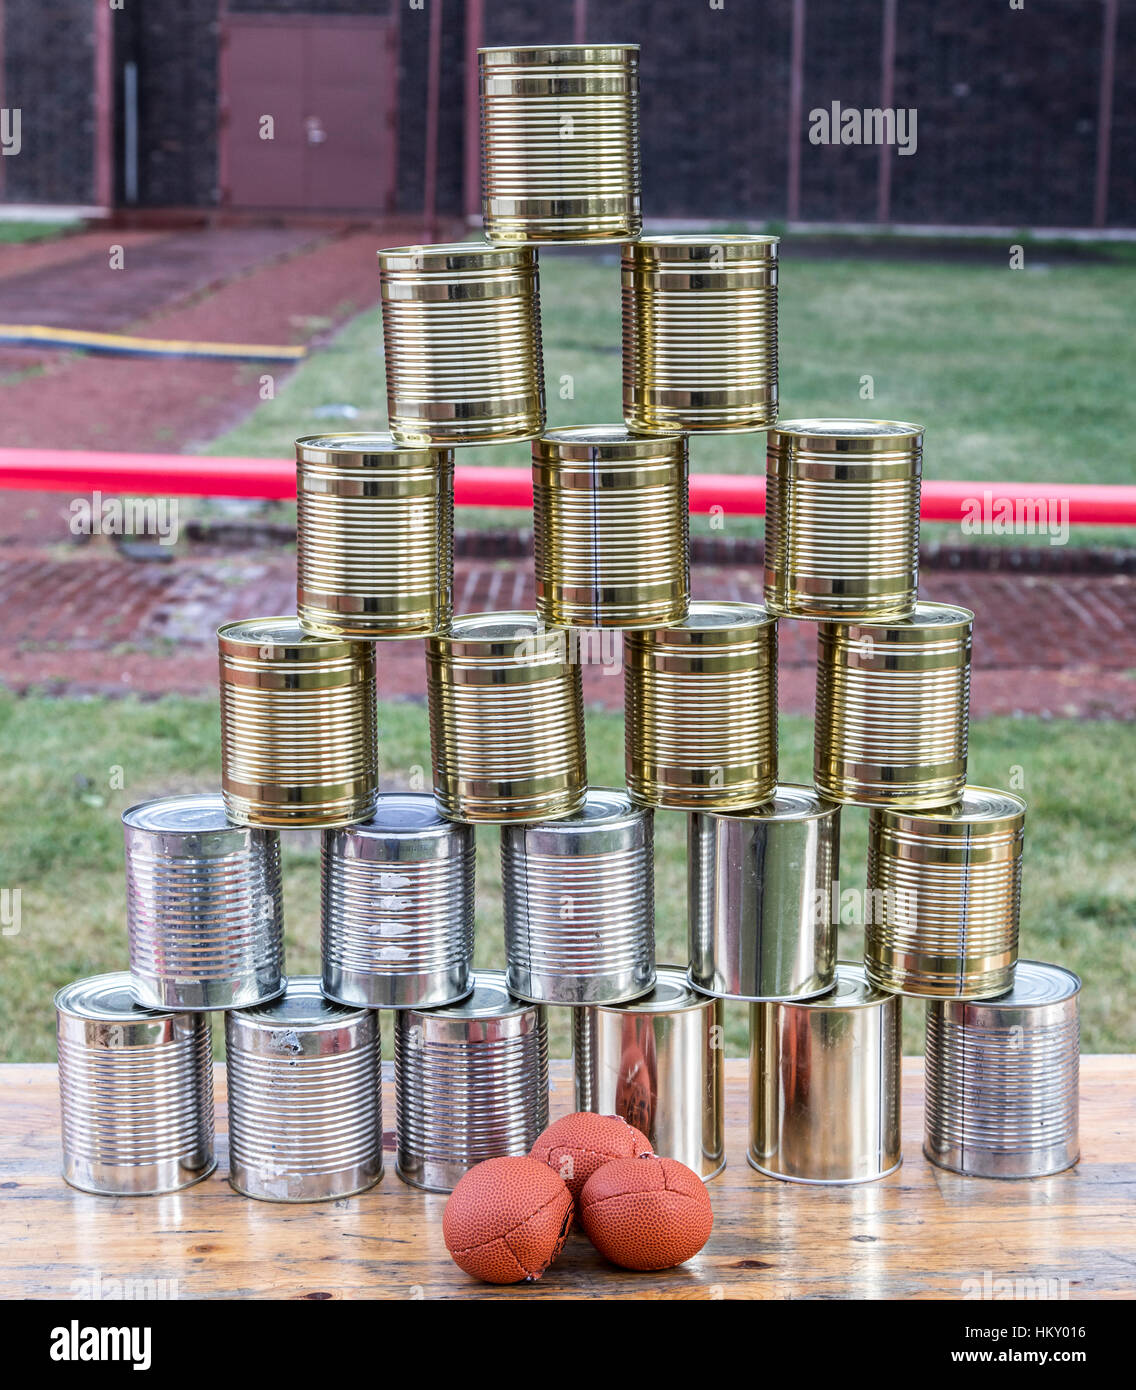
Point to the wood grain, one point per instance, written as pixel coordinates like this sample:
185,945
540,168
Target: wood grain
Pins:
921,1233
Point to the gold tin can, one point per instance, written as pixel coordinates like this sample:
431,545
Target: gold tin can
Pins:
700,333
610,527
560,143
943,893
892,702
461,334
506,720
842,518
701,710
298,731
374,536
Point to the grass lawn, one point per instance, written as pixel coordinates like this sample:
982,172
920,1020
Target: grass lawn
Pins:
1013,373
61,847
11,232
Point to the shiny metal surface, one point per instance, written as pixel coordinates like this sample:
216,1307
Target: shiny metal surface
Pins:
944,888
204,913
824,1084
374,536
135,1091
700,709
657,1061
579,903
397,896
298,725
560,142
471,1082
305,1097
461,332
760,909
506,719
1001,1080
842,519
700,333
892,708
610,527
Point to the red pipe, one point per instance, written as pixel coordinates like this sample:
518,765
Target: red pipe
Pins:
738,494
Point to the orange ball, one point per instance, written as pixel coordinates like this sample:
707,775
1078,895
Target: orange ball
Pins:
507,1220
646,1213
575,1146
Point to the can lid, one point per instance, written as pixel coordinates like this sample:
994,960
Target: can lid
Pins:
600,443
456,256
790,801
195,811
553,55
923,616
500,630
852,990
403,815
713,622
490,998
361,449
1036,983
846,436
978,807
302,1005
104,999
280,639
707,249
672,994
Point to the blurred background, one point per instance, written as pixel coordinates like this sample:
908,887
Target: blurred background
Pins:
978,279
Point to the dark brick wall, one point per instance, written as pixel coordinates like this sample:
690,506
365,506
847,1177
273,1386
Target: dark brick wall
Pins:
1122,183
413,34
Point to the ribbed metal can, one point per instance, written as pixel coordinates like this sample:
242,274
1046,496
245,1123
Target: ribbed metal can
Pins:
701,709
397,895
1001,1097
298,725
892,708
658,1062
461,334
610,527
700,333
135,1091
579,903
560,142
506,719
305,1097
760,911
471,1083
824,1077
374,536
944,888
842,518
204,913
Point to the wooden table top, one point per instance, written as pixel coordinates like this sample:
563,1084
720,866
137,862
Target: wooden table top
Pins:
921,1233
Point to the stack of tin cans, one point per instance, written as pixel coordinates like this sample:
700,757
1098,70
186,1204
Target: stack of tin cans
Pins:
299,750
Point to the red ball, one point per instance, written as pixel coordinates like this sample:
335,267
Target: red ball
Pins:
507,1220
646,1213
575,1146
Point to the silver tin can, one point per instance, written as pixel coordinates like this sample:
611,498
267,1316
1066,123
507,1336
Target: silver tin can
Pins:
397,907
471,1083
658,1062
135,1090
824,1084
579,903
760,898
1002,1078
204,914
305,1097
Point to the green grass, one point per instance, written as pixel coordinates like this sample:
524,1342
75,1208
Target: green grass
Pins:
1013,373
11,232
62,763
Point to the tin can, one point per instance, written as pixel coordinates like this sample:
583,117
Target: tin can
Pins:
658,1062
1001,1079
892,709
610,528
579,903
842,519
298,732
701,709
560,142
761,918
506,719
135,1091
374,536
305,1097
943,893
204,914
700,333
471,1083
461,333
824,1084
397,907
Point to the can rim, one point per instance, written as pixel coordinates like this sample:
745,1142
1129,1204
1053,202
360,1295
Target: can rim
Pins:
147,815
458,256
760,242
1062,983
516,624
546,50
840,434
867,995
265,1016
750,618
468,1007
604,809
294,643
79,1000
357,448
431,826
957,814
926,614
608,435
803,803
687,1001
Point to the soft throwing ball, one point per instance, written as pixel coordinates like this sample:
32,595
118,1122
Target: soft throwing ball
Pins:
575,1146
646,1213
507,1220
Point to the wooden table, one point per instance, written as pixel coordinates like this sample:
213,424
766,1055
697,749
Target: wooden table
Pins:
921,1233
